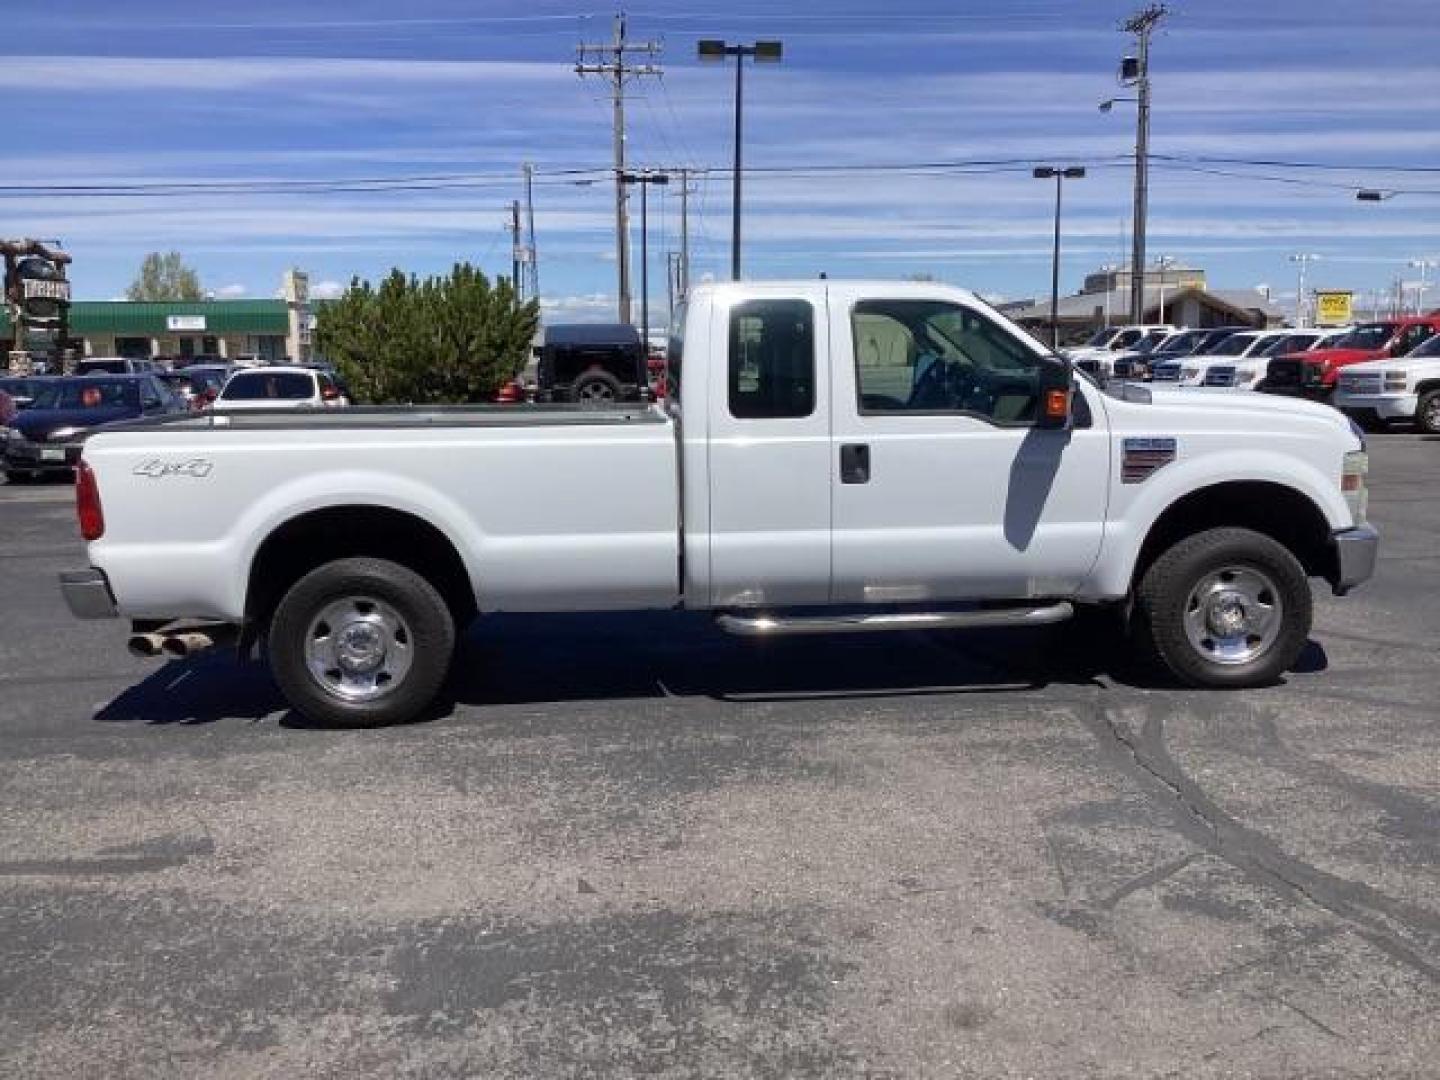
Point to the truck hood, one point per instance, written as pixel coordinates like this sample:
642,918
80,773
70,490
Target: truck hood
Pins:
1260,411
1334,357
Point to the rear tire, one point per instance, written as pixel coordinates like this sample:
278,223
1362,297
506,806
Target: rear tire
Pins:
1427,412
361,643
1224,609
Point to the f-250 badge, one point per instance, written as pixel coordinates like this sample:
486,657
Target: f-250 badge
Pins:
156,469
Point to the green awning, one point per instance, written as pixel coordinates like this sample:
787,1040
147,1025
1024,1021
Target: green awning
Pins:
125,318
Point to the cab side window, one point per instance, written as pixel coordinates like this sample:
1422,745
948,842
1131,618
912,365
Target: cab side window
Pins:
932,356
772,359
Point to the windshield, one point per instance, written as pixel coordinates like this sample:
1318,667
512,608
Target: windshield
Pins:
1371,336
1100,338
1431,347
1181,344
1234,345
1149,343
1287,344
87,394
1126,339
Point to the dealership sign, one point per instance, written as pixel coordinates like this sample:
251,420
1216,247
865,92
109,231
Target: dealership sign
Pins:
184,322
1334,308
38,285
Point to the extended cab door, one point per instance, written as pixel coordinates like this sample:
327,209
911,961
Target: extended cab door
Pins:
944,488
768,449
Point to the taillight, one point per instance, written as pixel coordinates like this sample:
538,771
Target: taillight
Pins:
87,503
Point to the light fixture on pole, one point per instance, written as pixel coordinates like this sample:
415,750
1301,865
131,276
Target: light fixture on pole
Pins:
1374,195
1058,173
645,179
1302,260
1163,263
762,52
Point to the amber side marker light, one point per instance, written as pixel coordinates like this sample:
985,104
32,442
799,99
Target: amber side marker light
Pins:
1057,404
87,503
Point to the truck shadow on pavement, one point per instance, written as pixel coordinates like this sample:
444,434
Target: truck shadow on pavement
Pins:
559,659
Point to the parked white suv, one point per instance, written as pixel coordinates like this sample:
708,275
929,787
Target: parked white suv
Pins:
279,388
1380,392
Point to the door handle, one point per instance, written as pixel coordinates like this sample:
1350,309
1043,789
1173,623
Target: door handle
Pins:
854,463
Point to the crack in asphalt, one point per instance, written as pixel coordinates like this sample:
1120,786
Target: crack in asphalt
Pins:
1390,925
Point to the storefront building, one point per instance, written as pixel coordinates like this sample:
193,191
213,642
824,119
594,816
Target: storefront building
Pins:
253,331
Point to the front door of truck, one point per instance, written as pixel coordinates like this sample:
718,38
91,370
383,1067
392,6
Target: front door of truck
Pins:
769,452
943,487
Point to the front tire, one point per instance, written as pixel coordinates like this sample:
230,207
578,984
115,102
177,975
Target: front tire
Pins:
1224,609
1427,413
361,643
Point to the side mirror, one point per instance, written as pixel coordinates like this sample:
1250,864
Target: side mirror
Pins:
1057,388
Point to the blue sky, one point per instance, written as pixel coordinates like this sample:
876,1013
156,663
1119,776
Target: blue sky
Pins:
159,90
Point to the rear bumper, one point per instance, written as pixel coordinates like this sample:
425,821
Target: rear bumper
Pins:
87,594
23,455
1356,551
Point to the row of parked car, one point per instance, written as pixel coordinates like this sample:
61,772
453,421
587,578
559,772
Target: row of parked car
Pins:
1378,373
44,418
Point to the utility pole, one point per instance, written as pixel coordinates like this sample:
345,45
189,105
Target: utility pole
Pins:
611,60
517,253
1135,71
532,254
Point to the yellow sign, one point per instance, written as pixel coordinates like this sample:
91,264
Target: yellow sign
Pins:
1334,308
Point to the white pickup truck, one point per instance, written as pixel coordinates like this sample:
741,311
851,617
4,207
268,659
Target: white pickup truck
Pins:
835,457
1406,388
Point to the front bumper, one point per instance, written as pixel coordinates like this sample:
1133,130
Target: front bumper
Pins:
1356,551
1308,392
1380,406
87,594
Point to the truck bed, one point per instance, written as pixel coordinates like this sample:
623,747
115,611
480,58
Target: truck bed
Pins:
549,507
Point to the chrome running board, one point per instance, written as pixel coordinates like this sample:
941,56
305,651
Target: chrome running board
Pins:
783,625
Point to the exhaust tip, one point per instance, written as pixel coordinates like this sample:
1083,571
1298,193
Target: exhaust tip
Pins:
183,645
145,645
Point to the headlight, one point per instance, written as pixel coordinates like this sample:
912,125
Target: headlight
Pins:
66,433
1353,485
1189,372
1395,380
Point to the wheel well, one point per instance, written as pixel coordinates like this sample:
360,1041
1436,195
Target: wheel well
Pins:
321,536
1275,510
1428,385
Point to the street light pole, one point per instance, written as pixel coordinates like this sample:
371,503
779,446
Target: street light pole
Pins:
1060,174
762,52
1303,260
1424,266
645,179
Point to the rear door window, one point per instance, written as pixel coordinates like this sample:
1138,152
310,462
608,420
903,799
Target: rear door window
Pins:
772,359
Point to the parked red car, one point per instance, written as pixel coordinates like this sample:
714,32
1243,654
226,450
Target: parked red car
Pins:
1313,374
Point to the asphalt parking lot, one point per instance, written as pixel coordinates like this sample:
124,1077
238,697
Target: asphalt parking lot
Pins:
635,846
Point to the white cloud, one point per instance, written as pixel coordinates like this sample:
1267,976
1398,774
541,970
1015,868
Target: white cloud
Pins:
231,292
327,290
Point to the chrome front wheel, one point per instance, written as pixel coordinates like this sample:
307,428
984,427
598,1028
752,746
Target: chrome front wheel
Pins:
1233,615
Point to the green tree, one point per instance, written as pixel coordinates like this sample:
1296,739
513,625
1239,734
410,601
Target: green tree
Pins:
165,277
451,339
